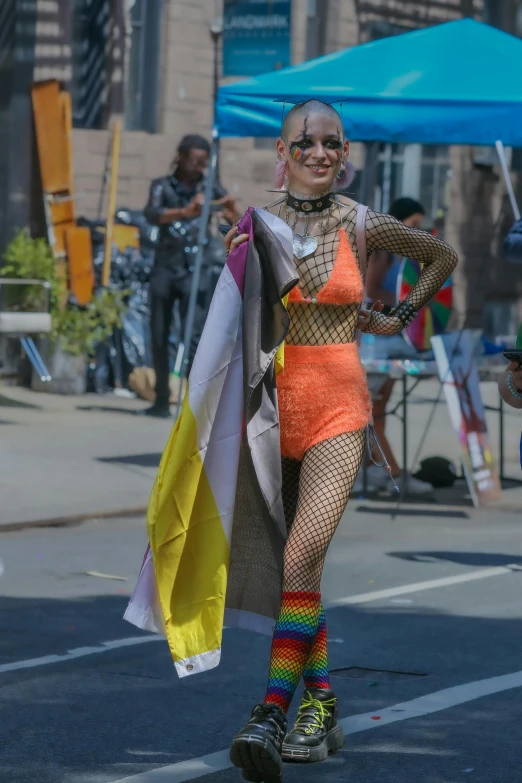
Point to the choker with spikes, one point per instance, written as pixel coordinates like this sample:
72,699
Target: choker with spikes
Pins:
310,204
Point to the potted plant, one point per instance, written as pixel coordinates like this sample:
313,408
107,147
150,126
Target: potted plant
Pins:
76,330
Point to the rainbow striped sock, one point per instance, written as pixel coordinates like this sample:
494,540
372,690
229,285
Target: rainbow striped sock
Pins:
294,635
316,674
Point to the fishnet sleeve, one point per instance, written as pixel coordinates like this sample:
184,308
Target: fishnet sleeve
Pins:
438,259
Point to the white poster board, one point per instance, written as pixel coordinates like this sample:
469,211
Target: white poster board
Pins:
458,373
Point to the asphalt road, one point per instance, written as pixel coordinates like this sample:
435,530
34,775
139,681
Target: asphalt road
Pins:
107,714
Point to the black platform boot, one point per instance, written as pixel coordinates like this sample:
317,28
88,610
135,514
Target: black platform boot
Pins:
257,748
316,732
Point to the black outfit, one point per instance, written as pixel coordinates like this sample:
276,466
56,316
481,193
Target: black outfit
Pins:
170,280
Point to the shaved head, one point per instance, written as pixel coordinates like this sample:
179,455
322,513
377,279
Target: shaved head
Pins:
313,147
302,111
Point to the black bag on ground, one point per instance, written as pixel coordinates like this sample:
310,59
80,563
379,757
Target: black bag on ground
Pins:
438,471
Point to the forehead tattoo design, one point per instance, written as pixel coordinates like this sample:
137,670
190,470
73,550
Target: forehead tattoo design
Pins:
297,148
339,147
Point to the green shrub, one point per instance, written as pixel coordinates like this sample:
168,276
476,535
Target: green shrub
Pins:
77,329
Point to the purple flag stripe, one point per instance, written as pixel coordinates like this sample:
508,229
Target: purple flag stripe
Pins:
236,260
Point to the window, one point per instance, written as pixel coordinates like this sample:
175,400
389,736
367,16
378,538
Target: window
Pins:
389,176
421,172
316,16
435,176
379,28
89,62
101,54
141,98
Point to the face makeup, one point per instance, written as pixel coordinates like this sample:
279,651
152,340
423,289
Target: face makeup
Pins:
296,152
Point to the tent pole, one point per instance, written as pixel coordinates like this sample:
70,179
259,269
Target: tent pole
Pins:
509,185
111,209
369,174
194,287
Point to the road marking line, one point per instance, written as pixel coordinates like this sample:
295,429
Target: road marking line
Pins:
432,702
78,652
415,587
424,705
362,598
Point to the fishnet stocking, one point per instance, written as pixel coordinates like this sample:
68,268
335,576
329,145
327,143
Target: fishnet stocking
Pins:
316,674
294,636
291,469
325,480
315,493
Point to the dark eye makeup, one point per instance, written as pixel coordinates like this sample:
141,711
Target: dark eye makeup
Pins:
331,143
303,144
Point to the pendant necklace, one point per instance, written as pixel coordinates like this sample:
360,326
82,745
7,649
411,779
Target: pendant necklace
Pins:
320,206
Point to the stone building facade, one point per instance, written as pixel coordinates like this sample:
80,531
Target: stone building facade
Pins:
185,106
151,62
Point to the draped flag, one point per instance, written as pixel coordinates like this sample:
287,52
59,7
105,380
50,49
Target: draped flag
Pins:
182,585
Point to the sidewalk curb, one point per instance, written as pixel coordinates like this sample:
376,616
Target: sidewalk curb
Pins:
73,519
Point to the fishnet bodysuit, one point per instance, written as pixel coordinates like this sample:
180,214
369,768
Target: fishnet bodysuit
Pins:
315,492
439,260
319,324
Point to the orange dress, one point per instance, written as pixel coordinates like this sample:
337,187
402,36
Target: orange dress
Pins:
322,391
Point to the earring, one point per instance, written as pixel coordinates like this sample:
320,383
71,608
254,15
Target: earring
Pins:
345,176
280,178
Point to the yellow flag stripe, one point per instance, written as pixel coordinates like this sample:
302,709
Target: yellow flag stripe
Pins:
188,544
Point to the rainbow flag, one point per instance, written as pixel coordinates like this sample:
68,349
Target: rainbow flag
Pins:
217,495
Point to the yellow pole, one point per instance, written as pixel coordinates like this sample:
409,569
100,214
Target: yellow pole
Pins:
65,102
112,201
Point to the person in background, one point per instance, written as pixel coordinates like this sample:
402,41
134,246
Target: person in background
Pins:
381,286
175,204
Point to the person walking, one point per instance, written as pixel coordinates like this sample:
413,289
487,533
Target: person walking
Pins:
174,205
324,410
260,466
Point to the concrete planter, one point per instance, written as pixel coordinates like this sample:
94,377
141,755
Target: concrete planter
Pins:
68,373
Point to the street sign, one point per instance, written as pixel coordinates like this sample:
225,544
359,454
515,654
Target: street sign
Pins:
256,37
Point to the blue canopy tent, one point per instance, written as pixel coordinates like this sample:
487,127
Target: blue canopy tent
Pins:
456,83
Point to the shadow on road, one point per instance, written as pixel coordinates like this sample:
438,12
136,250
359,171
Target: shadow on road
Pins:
106,409
143,460
462,558
8,402
104,717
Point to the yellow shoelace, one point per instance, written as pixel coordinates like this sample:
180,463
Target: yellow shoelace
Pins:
320,715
